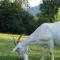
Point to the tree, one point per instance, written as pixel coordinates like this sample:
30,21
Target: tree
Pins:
47,11
57,16
13,18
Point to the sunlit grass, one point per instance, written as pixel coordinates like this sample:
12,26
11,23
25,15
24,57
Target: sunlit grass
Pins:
7,44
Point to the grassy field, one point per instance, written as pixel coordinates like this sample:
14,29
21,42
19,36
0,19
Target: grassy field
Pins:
7,44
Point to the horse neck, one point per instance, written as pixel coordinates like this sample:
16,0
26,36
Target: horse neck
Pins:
32,39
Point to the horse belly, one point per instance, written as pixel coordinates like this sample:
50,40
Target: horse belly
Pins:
56,35
57,40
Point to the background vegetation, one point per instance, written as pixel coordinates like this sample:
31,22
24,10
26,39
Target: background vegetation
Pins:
14,19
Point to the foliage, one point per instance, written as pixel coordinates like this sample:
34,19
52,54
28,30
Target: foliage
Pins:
57,16
42,18
48,9
13,19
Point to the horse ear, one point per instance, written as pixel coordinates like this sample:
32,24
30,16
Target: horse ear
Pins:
16,41
19,39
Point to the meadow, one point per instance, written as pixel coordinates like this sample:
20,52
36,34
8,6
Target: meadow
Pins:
7,44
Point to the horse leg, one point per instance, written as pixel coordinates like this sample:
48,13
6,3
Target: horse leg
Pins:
43,53
26,57
51,48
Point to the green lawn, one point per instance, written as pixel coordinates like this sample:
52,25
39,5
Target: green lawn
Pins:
6,46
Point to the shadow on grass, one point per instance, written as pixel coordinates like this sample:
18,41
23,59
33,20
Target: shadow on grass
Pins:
56,58
38,58
30,58
8,58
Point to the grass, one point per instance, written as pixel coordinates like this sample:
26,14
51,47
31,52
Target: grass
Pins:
6,46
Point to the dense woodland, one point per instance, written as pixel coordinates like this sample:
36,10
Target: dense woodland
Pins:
14,19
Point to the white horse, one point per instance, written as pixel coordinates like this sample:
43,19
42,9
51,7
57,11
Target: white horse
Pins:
48,34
